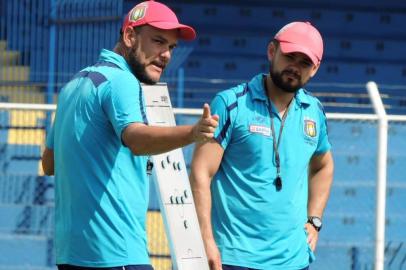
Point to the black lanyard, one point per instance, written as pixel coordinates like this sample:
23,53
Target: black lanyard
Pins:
276,142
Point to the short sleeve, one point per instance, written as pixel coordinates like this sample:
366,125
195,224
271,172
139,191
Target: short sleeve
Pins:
50,137
123,102
323,145
223,109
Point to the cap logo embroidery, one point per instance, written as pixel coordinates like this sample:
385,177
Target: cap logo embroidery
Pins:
138,12
310,128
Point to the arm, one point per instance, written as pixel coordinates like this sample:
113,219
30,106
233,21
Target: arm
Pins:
320,181
205,163
48,161
149,140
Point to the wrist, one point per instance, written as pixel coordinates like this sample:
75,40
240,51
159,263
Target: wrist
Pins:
316,222
192,134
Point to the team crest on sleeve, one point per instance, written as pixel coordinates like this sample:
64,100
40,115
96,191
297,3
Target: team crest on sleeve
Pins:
138,12
310,128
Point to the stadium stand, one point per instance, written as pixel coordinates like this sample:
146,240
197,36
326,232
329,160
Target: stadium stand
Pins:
362,42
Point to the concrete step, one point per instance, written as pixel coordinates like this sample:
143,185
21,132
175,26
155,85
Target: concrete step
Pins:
158,245
24,136
9,58
157,241
160,263
15,73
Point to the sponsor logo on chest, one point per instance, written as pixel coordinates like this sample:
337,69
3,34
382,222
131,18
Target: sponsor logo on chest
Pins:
264,130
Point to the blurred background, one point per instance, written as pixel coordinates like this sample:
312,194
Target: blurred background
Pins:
43,43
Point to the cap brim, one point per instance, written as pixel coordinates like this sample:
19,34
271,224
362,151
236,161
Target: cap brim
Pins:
287,47
185,32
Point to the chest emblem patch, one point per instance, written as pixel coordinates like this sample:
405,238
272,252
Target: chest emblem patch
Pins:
310,128
266,131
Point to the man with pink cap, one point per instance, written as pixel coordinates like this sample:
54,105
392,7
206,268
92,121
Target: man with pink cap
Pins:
100,140
261,185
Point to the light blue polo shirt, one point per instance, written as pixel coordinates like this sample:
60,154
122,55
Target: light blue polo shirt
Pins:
101,188
255,225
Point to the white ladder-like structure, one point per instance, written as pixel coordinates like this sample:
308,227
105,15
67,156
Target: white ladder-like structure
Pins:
173,188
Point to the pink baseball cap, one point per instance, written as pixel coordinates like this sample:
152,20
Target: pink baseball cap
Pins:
301,37
157,15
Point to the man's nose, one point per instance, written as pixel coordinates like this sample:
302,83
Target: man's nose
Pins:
166,55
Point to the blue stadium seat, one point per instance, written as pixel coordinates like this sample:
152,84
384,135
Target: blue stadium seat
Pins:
20,158
350,228
16,189
23,151
23,166
356,167
396,138
4,123
361,255
336,48
153,196
354,134
333,256
395,199
366,37
354,146
395,228
395,254
212,67
226,45
396,169
30,251
26,219
338,21
352,197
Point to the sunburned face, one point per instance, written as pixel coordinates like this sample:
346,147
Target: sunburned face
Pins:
291,71
151,52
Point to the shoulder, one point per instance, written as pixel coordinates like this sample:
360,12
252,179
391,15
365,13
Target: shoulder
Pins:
121,80
314,102
232,95
119,76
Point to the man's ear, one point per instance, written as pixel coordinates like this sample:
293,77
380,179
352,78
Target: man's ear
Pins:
129,37
271,50
314,70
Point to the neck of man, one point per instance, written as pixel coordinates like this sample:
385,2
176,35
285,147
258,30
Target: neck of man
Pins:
281,99
121,50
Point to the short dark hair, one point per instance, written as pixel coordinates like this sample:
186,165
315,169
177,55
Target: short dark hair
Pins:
275,42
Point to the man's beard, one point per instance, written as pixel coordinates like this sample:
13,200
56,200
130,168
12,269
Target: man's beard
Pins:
285,86
137,68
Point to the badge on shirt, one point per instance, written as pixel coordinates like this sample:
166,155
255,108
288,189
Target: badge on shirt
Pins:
264,130
310,128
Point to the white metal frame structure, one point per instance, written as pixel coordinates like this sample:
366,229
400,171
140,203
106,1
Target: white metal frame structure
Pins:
382,153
